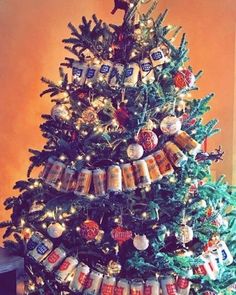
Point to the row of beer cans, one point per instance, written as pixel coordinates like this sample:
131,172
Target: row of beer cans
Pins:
117,178
116,73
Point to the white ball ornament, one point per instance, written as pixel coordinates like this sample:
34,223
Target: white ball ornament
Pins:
60,112
135,151
55,230
141,242
170,125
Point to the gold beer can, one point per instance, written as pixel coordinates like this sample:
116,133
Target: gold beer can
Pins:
153,168
114,179
186,142
163,163
128,177
141,173
83,182
176,156
99,182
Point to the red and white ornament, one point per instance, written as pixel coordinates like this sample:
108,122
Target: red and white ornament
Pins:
141,242
121,234
148,139
89,229
170,125
135,151
55,230
184,78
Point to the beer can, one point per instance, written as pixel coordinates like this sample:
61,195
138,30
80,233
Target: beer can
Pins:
80,278
79,71
104,71
55,174
157,57
163,163
66,268
93,284
183,285
99,182
122,287
54,259
152,286
128,177
141,173
131,75
168,286
224,253
91,76
136,287
208,293
205,269
47,167
34,241
42,250
153,168
147,73
116,75
83,182
186,142
114,179
67,180
215,253
108,285
176,156
214,269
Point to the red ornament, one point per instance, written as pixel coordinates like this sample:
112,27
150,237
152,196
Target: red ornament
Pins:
184,78
147,139
121,234
122,116
89,229
185,117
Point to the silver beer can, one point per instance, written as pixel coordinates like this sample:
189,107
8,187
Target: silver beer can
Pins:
42,250
80,278
136,287
54,259
108,285
34,241
93,284
122,287
66,268
168,286
152,286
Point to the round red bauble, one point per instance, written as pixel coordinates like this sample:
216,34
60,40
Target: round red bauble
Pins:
148,139
184,78
89,229
122,116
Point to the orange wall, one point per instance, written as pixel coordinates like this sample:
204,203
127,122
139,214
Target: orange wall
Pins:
31,34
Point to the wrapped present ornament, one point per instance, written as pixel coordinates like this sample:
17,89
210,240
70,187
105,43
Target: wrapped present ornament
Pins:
80,277
116,75
153,168
141,173
136,287
131,75
186,142
163,163
168,285
104,71
108,285
67,182
54,259
93,284
176,156
65,269
128,177
41,250
152,287
122,287
55,174
79,71
114,179
99,182
157,57
147,73
83,182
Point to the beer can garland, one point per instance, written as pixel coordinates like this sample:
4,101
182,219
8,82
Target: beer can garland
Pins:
80,278
93,284
157,57
176,156
34,241
168,286
79,71
114,179
147,73
54,259
99,182
152,287
108,285
67,180
122,287
116,75
141,173
186,142
163,163
42,250
83,182
47,168
128,177
55,174
183,285
136,287
153,168
131,75
104,71
66,269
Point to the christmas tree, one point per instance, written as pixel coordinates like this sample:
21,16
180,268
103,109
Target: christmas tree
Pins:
125,202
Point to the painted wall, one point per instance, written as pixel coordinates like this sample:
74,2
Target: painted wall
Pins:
31,34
